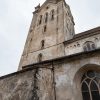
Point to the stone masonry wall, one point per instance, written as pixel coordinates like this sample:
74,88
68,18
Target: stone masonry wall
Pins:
17,86
53,80
78,45
35,84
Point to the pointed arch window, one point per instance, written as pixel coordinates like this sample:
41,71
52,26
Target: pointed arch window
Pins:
52,14
40,20
90,86
46,17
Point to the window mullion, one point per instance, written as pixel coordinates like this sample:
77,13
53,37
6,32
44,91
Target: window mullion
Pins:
90,92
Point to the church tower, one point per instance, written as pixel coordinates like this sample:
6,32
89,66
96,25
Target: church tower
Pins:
52,24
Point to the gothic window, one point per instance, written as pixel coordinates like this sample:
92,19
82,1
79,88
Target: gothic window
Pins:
40,57
42,44
89,45
40,20
90,85
52,14
46,17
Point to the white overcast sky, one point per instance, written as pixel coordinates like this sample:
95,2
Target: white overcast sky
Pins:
15,19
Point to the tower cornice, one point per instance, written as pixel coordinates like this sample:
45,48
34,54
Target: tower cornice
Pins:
37,8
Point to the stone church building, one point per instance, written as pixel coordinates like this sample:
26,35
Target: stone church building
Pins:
56,63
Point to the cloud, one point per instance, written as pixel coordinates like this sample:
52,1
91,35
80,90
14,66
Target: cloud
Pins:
86,14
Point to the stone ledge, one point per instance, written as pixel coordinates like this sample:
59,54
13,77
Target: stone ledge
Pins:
37,65
81,54
83,35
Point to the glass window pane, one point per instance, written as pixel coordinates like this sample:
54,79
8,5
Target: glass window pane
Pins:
84,87
97,79
88,80
86,95
90,74
93,86
95,95
83,77
97,75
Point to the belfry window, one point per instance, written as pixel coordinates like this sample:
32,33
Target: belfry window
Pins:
90,86
40,20
89,45
46,17
52,14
